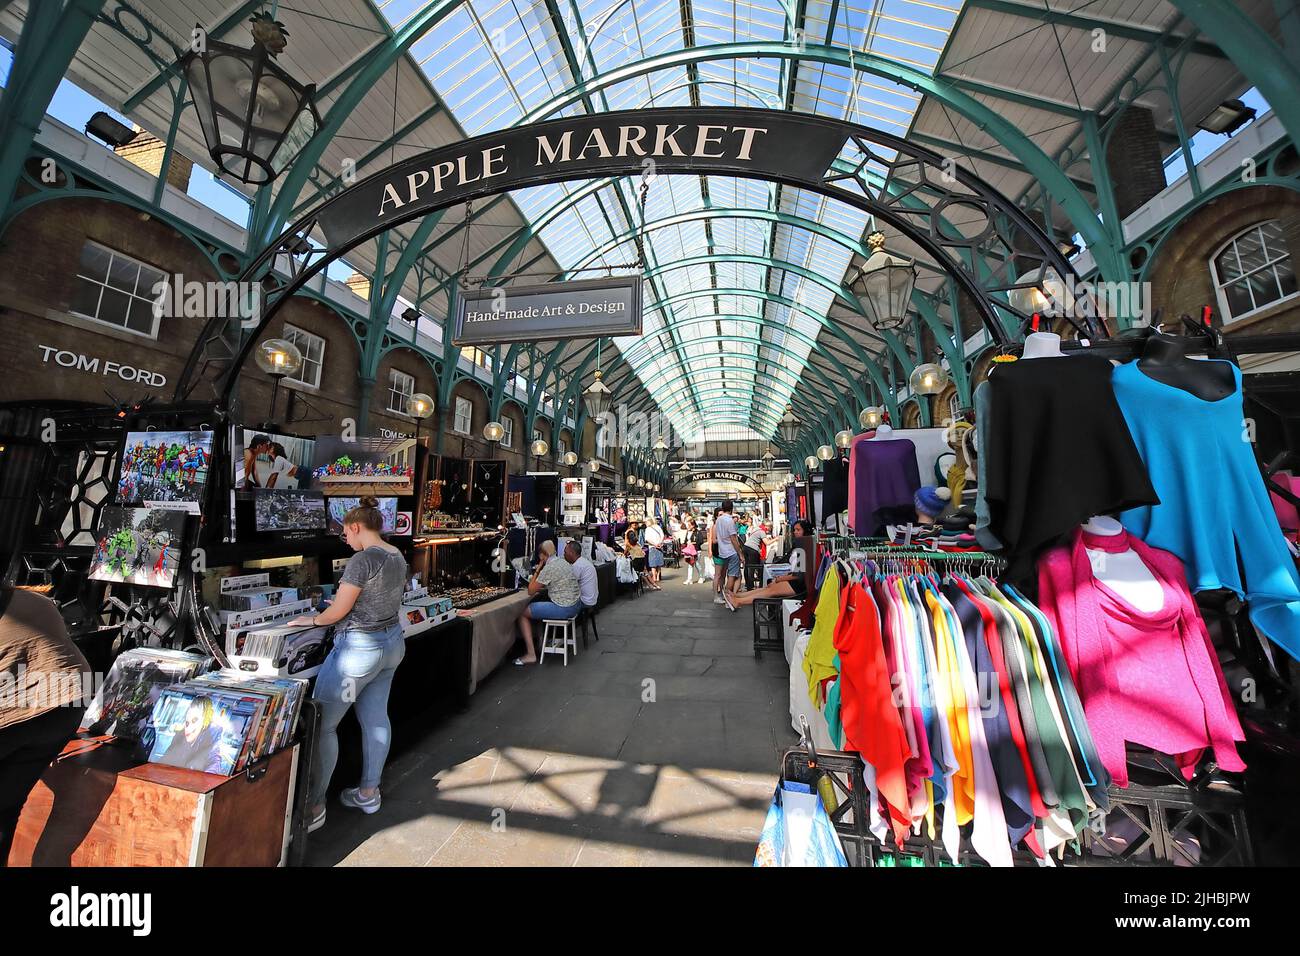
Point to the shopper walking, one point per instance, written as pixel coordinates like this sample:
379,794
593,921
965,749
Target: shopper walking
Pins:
368,646
691,552
729,550
46,679
654,542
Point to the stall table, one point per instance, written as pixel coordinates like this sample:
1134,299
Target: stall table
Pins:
606,584
494,633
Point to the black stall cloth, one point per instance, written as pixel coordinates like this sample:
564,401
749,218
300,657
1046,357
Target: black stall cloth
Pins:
1057,452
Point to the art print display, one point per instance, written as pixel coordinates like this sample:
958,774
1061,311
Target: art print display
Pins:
272,462
165,469
365,466
337,508
124,703
205,728
573,502
618,509
290,511
138,546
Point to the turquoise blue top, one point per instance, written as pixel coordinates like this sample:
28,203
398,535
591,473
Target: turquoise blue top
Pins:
1213,503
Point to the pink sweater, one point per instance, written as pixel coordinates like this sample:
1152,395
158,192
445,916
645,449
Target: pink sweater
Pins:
1149,678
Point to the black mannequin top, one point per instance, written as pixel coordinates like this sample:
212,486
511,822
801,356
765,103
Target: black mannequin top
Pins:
1164,358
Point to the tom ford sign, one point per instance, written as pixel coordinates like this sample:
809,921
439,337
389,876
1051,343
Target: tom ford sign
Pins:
784,146
553,311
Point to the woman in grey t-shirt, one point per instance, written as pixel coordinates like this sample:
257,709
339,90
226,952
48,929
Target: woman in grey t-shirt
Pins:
368,646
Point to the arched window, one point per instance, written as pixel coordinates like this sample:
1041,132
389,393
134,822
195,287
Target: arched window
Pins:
1251,270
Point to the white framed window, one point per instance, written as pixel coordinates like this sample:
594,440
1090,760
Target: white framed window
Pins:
508,437
117,290
1252,270
312,348
463,423
561,448
400,389
954,407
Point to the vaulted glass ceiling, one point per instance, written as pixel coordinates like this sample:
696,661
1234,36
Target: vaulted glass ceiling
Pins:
498,63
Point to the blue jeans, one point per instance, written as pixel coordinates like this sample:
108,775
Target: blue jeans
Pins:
358,670
546,610
733,565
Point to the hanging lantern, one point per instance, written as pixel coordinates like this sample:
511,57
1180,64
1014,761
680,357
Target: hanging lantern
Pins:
811,462
660,450
883,285
596,397
419,405
928,379
539,448
594,465
825,452
571,458
789,425
1048,295
844,438
494,431
256,118
871,417
769,460
656,487
278,357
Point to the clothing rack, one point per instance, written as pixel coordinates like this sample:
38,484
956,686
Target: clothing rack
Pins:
880,548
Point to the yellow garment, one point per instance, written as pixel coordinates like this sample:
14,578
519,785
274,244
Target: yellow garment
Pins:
956,713
957,482
819,658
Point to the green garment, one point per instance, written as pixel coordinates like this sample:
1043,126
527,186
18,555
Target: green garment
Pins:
832,711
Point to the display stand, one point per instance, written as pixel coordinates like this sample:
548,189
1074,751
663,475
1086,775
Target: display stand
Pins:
98,805
1199,824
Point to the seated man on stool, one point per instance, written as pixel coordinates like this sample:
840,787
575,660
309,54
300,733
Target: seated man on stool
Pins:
564,597
784,586
585,572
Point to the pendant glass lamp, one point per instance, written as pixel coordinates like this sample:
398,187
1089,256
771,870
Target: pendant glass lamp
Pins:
928,379
596,397
844,438
883,285
825,452
539,448
278,357
255,117
870,417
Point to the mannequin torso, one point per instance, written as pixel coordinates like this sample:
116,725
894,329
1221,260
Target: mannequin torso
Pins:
1123,572
883,433
1164,358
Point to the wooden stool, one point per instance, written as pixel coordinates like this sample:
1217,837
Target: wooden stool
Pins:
565,632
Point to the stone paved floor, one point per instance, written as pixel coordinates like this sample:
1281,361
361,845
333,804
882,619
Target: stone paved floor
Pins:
571,766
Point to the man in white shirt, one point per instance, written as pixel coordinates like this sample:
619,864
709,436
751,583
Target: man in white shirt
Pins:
585,572
729,548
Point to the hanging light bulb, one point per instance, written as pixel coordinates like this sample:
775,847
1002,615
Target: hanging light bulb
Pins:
825,452
844,438
928,379
812,461
494,431
539,448
570,458
871,417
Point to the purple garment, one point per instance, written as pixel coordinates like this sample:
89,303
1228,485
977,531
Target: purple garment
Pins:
883,477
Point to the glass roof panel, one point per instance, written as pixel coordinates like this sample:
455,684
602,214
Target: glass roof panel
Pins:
494,62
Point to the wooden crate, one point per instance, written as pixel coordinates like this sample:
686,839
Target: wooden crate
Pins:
97,805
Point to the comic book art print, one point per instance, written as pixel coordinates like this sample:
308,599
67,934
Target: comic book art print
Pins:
138,546
165,469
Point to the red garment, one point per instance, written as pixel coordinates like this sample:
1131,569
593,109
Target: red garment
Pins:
994,642
871,722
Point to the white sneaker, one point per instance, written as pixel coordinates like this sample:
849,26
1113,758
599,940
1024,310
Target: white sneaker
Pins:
718,600
351,797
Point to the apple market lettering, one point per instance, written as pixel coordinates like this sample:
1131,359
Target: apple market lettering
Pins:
629,141
97,366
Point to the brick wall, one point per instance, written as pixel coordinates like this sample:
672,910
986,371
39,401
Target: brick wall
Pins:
1133,157
1181,279
147,150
